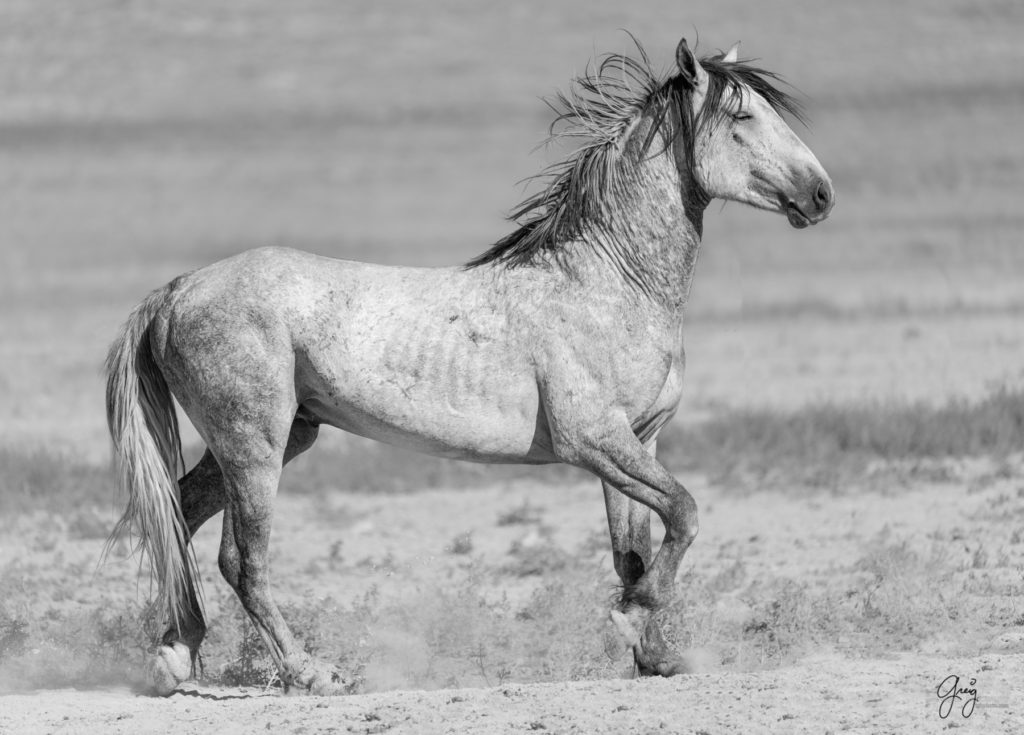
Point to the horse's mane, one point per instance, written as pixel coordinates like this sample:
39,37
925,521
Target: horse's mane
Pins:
599,109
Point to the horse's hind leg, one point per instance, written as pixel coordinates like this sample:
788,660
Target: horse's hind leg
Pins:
244,562
202,497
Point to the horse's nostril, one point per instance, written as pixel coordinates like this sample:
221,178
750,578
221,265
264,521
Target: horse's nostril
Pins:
822,195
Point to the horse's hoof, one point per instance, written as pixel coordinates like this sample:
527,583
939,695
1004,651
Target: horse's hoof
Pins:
626,628
671,667
666,662
324,681
168,667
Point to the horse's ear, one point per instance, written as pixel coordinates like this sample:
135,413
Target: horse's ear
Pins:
690,69
733,54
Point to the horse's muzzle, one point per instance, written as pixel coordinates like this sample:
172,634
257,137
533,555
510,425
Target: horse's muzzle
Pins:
813,207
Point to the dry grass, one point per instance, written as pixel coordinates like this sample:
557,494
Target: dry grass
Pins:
822,444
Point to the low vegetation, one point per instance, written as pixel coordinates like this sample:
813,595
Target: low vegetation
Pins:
820,444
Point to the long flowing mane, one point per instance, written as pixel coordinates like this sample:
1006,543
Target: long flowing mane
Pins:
599,109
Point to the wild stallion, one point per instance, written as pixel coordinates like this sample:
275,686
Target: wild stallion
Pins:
562,343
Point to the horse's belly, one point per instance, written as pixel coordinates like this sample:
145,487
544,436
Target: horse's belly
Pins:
481,433
433,393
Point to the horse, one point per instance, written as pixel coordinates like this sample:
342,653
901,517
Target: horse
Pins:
563,342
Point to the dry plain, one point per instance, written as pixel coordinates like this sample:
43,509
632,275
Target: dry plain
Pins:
852,424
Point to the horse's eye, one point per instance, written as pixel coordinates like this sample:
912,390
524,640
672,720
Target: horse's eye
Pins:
741,116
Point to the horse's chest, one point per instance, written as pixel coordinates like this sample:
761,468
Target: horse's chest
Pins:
651,391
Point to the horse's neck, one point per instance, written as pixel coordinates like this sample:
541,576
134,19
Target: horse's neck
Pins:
650,238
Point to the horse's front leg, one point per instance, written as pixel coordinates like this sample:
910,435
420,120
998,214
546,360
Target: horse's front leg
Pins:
629,524
621,461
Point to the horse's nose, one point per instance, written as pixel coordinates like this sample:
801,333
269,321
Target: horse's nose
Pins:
823,196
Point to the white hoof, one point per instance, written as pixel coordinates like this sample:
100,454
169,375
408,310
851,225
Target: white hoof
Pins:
626,629
168,667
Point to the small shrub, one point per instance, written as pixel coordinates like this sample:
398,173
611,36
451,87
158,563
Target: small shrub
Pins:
784,622
251,664
523,514
536,559
905,596
332,633
461,545
13,636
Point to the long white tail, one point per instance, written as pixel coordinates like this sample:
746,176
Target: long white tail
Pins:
147,451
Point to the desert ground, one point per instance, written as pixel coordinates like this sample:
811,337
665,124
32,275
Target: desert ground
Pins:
852,424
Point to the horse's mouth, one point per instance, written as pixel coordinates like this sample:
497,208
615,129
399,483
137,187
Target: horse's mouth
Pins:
796,216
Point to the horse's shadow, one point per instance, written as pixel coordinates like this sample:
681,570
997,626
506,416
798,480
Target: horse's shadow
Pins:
197,693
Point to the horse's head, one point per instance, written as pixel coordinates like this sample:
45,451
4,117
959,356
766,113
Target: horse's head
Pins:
742,148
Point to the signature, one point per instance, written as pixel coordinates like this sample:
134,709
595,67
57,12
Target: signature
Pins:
950,692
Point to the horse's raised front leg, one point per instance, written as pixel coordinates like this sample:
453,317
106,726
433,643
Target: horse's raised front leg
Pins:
202,497
629,524
622,463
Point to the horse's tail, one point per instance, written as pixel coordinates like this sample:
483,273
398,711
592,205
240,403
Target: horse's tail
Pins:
147,452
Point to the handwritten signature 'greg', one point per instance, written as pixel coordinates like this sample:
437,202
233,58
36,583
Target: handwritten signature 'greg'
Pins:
950,691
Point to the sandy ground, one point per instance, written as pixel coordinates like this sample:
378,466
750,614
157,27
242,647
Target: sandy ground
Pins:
827,694
814,540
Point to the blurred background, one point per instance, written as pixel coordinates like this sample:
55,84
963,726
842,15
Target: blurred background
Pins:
140,139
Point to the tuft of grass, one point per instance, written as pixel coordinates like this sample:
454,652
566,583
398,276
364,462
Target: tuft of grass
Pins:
536,559
523,514
249,663
13,635
461,545
907,596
